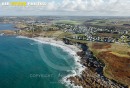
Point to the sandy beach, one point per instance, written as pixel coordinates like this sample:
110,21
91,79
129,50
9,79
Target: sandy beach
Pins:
81,69
52,41
72,50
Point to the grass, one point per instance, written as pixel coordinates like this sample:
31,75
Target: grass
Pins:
107,35
21,25
106,72
68,22
115,56
51,33
81,41
121,55
79,34
122,49
116,61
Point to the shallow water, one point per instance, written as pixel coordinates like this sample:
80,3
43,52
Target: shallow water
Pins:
22,66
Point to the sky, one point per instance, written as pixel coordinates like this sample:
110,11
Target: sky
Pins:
69,8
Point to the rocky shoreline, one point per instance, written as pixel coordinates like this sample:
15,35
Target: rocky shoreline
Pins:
92,76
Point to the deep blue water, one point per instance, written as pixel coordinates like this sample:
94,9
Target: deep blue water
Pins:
21,62
6,26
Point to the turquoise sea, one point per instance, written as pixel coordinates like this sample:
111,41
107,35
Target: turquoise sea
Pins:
21,64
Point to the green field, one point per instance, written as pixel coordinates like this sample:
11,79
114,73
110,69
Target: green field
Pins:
68,22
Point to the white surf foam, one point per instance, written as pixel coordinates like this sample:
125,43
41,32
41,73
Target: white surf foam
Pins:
79,67
1,34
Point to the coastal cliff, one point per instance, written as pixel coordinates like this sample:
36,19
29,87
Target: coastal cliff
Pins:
116,59
92,76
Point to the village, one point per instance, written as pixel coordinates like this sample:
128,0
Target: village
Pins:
81,36
96,34
84,33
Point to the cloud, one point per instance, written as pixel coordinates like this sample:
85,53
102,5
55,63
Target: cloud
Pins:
87,5
80,7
